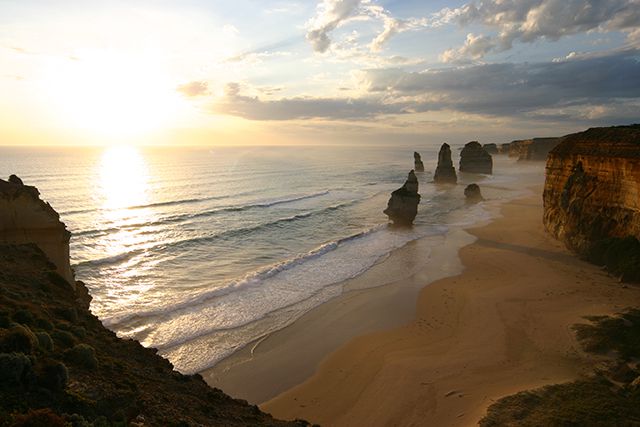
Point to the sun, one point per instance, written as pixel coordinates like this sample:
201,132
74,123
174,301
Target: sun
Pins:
111,95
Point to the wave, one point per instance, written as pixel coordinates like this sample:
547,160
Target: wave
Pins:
252,279
185,217
207,239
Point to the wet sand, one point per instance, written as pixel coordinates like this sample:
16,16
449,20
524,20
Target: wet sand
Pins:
502,326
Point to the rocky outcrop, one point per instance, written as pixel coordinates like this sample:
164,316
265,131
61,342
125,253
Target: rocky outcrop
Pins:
417,161
59,366
475,159
403,204
491,148
445,172
535,149
472,194
592,187
25,218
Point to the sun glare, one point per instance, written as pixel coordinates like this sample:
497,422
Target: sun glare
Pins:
123,178
111,95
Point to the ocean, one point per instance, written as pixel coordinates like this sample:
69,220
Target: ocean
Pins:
199,252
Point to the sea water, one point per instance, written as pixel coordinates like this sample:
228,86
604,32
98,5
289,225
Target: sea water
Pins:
201,251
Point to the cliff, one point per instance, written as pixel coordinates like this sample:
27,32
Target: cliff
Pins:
417,162
592,187
60,366
535,149
475,159
25,218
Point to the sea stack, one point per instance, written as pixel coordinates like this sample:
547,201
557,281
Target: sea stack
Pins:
445,172
472,194
475,159
25,218
403,204
417,161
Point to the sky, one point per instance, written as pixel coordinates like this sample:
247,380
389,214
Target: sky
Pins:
252,72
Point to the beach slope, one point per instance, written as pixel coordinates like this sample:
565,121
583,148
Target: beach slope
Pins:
503,325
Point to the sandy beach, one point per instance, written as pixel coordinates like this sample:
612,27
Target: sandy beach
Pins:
502,326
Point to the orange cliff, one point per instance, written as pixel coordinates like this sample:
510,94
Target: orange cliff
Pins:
592,187
25,218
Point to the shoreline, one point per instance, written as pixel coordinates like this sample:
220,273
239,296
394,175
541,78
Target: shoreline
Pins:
381,298
501,326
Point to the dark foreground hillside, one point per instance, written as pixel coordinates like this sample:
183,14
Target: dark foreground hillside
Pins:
59,365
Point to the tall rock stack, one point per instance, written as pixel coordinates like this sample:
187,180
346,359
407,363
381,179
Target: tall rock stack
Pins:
417,161
445,172
25,218
475,159
403,204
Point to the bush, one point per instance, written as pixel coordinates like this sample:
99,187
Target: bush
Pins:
23,316
18,339
44,324
44,341
83,355
621,256
13,368
52,375
39,418
64,339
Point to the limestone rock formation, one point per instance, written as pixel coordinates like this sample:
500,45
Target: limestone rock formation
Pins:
592,187
472,194
535,149
445,172
417,161
25,218
475,159
491,148
403,204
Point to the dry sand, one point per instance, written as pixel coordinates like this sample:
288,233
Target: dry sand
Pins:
502,326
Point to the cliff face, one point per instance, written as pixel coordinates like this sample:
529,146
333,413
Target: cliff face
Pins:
592,187
535,149
25,218
57,357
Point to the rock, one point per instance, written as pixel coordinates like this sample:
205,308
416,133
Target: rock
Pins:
445,172
14,179
592,186
472,194
403,204
25,218
535,149
419,166
475,159
491,148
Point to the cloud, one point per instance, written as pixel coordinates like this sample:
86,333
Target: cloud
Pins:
330,14
193,89
529,20
562,90
475,47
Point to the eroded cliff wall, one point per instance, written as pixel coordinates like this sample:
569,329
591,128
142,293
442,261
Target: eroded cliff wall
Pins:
25,218
592,186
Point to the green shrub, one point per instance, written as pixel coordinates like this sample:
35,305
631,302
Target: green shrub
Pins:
64,339
77,420
23,316
44,324
621,256
620,334
13,368
52,374
5,320
39,418
82,355
44,341
18,339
